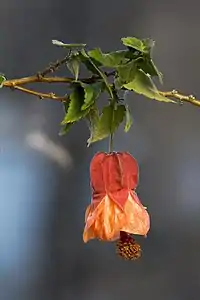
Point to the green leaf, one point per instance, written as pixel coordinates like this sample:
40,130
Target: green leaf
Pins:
69,46
148,45
2,79
93,119
126,73
100,73
129,119
66,106
148,66
118,117
143,46
118,83
107,123
97,55
143,84
65,129
133,43
110,60
86,61
155,71
74,112
73,65
89,96
92,92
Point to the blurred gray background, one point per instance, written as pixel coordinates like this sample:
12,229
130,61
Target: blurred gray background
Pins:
44,182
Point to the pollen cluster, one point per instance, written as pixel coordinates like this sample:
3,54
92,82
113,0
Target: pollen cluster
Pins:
127,247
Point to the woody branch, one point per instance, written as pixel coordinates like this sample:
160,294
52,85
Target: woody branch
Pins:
17,84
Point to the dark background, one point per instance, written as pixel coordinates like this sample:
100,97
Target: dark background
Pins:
44,178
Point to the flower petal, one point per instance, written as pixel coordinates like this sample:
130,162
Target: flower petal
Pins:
138,220
96,173
114,174
105,221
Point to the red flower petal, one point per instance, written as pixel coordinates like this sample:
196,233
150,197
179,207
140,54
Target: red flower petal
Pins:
113,174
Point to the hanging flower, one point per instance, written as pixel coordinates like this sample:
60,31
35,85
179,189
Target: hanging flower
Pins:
116,211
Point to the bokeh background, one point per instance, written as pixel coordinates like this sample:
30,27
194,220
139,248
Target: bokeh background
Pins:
44,182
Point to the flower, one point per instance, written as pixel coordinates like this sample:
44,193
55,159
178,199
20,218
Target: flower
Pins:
115,211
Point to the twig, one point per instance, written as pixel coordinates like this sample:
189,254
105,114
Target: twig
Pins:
41,95
54,66
33,79
182,98
17,84
39,78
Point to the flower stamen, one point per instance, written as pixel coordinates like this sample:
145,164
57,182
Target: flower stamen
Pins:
127,247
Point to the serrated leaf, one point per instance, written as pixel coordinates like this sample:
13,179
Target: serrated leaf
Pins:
92,92
126,72
110,60
74,112
148,44
89,95
93,115
129,119
107,123
65,129
99,72
118,117
69,46
86,61
97,55
148,66
133,42
143,84
74,66
93,118
104,79
143,46
2,79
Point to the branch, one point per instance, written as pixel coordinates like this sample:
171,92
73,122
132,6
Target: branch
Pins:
17,83
54,66
39,78
182,98
41,95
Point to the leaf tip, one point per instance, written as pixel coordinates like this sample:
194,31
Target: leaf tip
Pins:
57,43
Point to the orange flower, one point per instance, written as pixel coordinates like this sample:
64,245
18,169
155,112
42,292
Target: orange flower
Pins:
115,211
